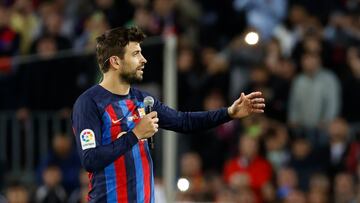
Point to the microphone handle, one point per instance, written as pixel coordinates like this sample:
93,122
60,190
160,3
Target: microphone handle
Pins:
151,141
148,109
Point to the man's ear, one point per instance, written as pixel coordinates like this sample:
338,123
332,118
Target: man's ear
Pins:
115,62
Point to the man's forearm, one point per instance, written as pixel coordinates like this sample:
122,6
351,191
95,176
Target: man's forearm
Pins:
196,121
98,158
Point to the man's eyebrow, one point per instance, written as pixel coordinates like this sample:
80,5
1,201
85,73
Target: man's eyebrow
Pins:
135,51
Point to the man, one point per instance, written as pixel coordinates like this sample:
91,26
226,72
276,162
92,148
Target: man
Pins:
314,96
249,168
111,127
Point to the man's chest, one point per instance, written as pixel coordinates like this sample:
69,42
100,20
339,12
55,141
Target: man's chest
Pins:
121,116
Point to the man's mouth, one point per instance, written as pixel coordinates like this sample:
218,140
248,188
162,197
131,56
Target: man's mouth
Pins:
141,68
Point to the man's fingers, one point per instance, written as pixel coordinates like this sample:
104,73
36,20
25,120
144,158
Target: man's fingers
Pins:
258,106
257,110
253,95
155,120
153,114
258,100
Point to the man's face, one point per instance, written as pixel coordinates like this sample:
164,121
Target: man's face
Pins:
132,63
248,146
310,63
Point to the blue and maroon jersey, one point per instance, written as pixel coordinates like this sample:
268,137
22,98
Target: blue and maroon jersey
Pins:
121,169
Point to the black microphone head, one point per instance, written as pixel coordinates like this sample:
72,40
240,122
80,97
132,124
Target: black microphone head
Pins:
149,101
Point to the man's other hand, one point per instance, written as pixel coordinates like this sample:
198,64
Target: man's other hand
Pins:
246,105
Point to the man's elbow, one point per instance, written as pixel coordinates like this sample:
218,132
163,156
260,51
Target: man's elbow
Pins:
88,165
89,162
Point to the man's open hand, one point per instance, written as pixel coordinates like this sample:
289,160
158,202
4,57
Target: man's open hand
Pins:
246,105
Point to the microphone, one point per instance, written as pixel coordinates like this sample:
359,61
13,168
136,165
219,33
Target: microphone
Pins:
149,103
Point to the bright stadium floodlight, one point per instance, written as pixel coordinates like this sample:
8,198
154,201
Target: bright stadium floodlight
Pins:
252,38
183,184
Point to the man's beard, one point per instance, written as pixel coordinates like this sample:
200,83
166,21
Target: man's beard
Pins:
131,77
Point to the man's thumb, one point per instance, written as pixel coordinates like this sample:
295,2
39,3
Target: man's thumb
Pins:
242,97
121,134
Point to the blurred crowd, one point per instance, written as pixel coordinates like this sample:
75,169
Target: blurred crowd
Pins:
304,149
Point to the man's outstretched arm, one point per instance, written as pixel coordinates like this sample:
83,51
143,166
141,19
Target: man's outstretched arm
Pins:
195,121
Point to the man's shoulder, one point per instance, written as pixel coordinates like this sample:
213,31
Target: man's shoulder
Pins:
95,89
140,94
90,95
300,79
326,74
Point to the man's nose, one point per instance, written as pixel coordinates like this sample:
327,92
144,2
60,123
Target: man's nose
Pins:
144,60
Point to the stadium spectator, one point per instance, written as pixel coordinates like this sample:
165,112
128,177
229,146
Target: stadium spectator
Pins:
248,168
63,155
314,96
51,189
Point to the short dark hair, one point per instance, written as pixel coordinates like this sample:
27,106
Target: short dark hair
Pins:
113,42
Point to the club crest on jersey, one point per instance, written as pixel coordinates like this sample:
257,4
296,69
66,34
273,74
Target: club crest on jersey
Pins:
132,118
87,139
141,112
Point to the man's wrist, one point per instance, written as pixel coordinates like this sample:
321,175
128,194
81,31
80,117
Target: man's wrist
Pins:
130,136
229,111
136,133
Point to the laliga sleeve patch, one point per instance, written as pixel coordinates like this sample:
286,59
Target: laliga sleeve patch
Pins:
87,138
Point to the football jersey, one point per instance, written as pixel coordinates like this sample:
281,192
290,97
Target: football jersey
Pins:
121,169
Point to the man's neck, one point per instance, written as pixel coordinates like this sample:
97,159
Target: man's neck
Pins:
114,85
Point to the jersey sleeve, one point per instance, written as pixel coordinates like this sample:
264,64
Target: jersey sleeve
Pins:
86,122
178,121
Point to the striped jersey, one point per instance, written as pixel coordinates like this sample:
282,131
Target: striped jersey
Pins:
120,168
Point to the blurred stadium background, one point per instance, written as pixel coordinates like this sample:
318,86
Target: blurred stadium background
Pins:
304,55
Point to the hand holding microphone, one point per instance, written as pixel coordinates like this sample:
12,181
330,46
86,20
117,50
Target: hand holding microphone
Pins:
148,125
